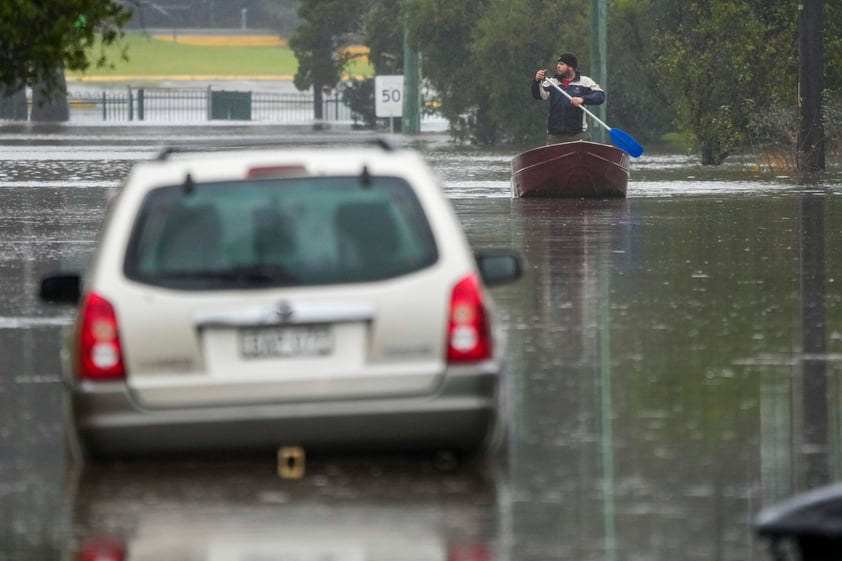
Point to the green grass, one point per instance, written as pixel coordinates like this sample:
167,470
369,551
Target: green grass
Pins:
152,57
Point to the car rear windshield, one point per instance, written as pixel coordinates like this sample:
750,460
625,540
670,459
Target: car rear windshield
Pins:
294,231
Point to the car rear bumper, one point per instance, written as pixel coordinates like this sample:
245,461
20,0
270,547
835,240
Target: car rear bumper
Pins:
464,415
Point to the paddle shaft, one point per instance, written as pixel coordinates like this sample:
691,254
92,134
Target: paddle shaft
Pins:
620,139
582,107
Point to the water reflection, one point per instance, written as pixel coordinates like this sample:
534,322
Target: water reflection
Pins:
237,511
673,372
563,465
814,452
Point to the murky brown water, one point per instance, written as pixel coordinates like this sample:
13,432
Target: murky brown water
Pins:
675,367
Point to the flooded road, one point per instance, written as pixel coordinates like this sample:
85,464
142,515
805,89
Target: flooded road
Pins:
674,356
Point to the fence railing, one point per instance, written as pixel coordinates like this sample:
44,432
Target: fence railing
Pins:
197,104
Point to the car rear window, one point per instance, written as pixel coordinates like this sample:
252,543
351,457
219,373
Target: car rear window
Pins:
293,231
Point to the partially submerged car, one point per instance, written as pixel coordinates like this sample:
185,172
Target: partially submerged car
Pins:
250,299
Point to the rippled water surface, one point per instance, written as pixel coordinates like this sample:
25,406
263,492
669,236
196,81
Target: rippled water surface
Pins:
674,368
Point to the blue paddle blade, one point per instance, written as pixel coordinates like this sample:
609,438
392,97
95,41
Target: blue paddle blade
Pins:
624,142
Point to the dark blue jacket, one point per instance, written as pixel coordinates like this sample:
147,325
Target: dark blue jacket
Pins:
563,117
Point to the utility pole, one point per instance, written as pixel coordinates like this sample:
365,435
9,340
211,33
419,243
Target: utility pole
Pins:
599,55
811,141
411,123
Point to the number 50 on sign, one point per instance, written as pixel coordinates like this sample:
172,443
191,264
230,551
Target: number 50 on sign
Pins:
388,96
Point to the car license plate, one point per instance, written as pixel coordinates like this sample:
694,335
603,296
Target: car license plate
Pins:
275,342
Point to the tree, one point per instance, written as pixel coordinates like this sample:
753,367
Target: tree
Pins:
479,55
359,96
832,108
37,38
511,41
47,105
710,70
328,26
441,30
382,32
833,46
384,39
634,100
719,60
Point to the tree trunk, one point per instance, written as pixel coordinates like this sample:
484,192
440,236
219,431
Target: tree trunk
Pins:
52,105
13,105
811,137
712,152
318,102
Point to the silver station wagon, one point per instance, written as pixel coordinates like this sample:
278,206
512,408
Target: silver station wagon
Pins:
249,299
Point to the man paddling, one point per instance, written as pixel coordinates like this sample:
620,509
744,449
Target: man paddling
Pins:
566,122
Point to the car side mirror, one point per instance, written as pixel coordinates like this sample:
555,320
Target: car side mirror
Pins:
61,288
499,267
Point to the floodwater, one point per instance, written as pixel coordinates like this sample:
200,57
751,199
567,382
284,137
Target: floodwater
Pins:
674,368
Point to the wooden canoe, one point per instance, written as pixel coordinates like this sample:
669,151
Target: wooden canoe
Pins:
577,169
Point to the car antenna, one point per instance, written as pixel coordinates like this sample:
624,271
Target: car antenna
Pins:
365,177
189,185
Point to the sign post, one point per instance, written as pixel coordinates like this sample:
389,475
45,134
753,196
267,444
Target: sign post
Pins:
388,97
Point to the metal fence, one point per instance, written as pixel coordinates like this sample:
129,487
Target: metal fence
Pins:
195,104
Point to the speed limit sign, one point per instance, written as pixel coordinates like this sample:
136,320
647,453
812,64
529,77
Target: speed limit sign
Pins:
388,96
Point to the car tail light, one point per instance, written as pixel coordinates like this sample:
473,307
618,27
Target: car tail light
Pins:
100,352
468,333
102,549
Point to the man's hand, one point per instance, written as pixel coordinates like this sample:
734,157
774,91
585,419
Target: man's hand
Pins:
540,75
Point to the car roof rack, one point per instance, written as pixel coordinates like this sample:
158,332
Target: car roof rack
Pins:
299,141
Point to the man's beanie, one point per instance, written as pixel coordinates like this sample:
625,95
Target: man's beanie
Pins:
569,59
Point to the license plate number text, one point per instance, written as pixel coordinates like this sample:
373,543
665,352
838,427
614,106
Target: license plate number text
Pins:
276,342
